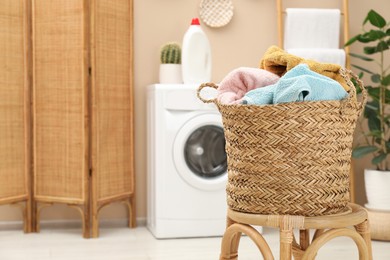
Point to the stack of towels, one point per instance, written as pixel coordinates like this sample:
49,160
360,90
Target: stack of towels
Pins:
281,78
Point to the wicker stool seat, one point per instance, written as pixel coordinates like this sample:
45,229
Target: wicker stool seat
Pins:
327,228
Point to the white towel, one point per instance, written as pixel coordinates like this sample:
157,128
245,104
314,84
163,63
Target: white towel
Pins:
335,56
311,28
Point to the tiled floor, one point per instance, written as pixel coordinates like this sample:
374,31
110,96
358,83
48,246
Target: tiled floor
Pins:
119,243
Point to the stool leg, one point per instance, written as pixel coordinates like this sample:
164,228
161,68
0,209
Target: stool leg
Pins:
304,238
229,248
230,243
364,230
333,233
235,240
286,238
304,242
318,233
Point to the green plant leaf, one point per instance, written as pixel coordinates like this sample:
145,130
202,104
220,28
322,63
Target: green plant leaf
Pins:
372,106
374,124
376,19
352,40
375,133
376,78
365,20
364,38
370,50
375,95
388,32
361,74
378,159
373,92
371,113
382,46
376,34
363,150
365,58
357,86
386,80
387,96
362,69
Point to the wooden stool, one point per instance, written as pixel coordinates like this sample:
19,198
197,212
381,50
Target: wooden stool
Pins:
327,228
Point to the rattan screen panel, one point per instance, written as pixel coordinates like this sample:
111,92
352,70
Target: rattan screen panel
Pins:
112,105
60,100
13,101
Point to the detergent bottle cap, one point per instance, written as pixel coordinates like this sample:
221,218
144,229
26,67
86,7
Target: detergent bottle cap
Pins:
195,21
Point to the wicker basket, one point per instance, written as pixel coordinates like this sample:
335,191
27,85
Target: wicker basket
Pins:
291,158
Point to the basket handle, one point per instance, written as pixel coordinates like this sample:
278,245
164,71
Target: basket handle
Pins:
204,85
348,75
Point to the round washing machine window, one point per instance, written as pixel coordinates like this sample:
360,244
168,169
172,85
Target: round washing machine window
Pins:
204,151
199,152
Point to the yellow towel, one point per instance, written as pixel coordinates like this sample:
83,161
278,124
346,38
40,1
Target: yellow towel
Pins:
279,62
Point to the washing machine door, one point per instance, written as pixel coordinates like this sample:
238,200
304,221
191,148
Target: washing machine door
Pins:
199,152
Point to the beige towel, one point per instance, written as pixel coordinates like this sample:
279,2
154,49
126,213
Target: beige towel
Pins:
279,62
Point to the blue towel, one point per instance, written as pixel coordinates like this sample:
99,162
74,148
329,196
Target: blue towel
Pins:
298,84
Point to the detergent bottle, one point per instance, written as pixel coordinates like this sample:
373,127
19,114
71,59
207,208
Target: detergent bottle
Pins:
196,55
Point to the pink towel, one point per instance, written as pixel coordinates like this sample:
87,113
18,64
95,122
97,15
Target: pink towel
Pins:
238,82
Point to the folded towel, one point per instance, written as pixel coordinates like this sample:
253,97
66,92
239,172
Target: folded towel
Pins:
241,80
311,28
278,61
298,84
335,56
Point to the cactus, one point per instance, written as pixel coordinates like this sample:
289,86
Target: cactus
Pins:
171,53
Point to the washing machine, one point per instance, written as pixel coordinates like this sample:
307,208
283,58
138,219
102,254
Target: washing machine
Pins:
186,164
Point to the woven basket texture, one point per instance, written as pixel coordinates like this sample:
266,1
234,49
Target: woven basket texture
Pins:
291,158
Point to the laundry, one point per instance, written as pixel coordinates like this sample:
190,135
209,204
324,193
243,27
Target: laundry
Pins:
298,84
327,55
279,62
241,80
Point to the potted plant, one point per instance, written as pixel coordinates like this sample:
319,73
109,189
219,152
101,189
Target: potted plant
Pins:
375,140
170,67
